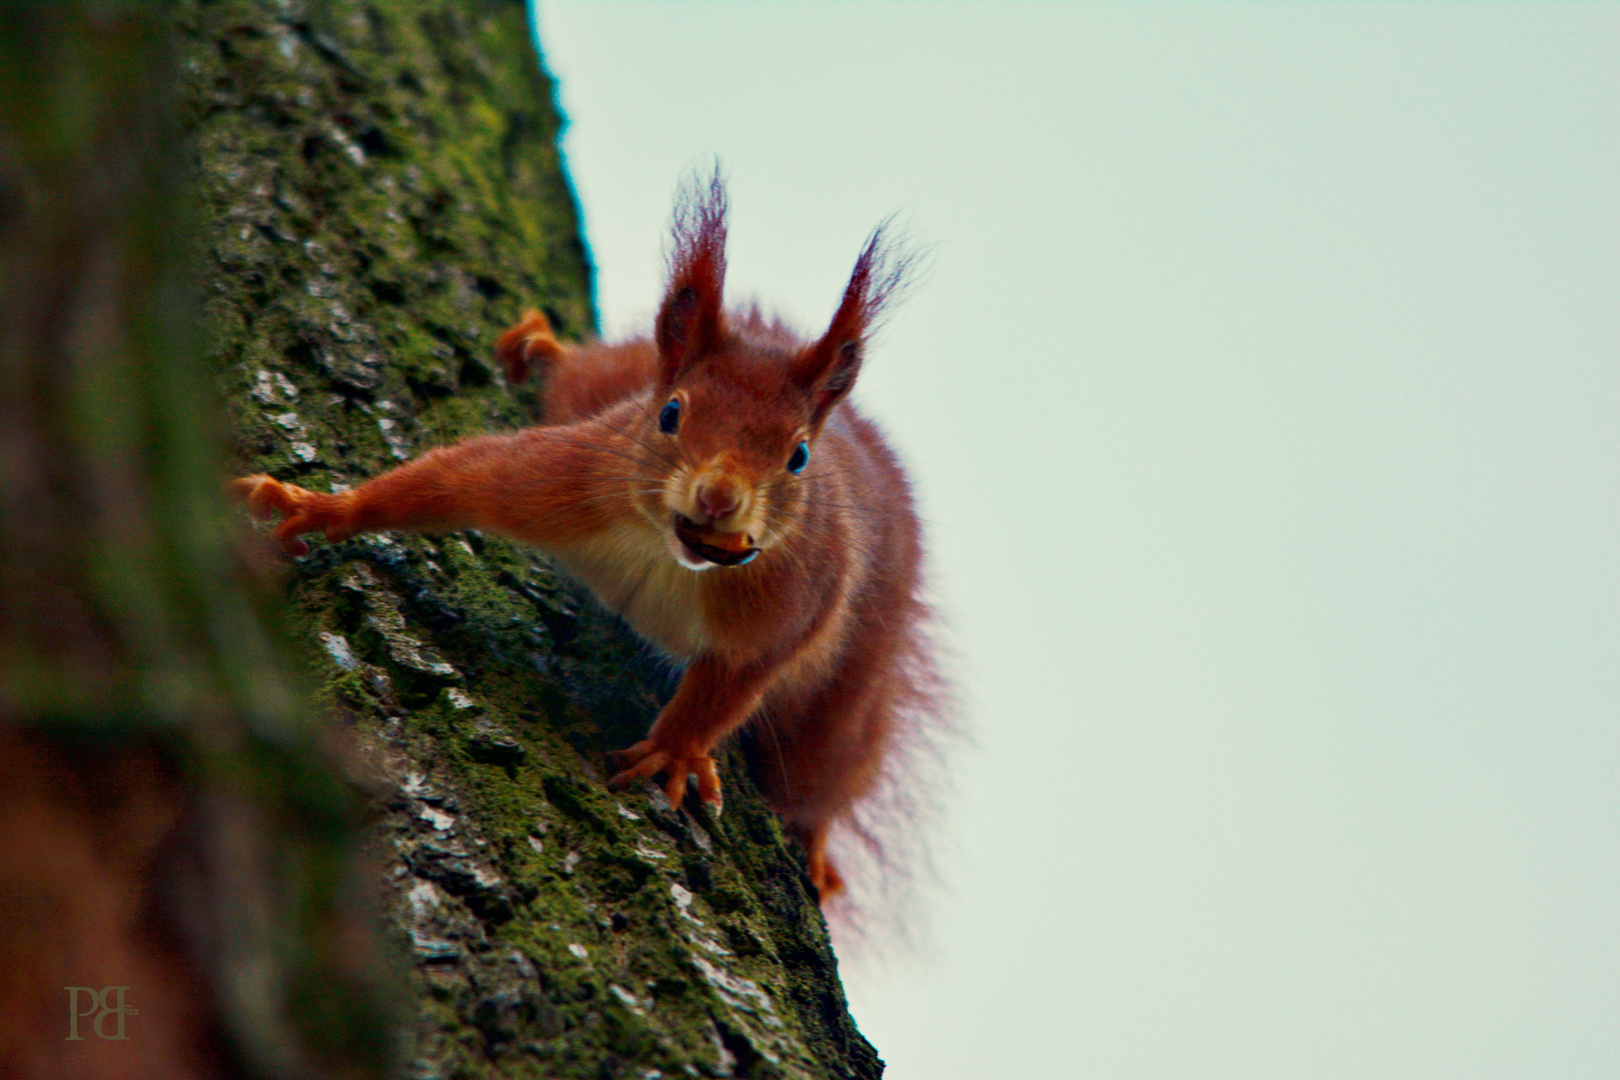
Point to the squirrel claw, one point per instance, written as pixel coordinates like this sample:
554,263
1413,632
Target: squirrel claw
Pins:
301,511
647,759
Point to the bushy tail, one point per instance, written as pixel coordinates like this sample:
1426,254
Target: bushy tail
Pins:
889,848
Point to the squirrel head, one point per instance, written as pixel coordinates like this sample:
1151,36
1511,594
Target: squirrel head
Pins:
740,402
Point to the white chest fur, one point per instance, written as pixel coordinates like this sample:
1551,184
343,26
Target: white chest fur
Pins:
631,571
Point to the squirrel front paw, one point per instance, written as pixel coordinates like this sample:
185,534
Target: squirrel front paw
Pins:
301,511
647,759
531,341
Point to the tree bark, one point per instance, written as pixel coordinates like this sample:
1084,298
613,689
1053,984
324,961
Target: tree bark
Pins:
381,195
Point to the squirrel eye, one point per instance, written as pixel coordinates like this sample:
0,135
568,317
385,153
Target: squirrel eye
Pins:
670,418
800,458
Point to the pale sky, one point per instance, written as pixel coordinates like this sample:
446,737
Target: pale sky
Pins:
1261,397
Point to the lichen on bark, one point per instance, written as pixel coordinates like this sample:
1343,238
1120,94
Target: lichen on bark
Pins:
381,195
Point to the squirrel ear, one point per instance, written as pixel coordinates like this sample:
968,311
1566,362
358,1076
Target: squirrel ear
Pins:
691,320
828,368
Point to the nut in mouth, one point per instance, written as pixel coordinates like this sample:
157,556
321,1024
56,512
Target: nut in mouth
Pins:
723,549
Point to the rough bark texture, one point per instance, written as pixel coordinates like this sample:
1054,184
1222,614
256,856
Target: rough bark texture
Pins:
381,195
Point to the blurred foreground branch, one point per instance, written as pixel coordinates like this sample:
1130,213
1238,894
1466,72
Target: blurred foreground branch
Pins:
168,825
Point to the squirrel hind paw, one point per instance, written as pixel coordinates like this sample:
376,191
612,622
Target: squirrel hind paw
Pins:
826,878
823,874
531,341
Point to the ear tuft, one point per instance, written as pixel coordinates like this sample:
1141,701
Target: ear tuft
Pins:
828,368
691,320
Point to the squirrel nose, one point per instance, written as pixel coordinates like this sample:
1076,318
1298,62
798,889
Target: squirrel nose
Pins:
717,500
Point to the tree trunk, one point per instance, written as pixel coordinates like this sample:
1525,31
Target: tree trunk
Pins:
381,195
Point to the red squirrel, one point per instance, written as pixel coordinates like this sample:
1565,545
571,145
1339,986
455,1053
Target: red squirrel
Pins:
714,486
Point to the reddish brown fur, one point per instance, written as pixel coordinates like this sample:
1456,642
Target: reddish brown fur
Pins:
817,642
